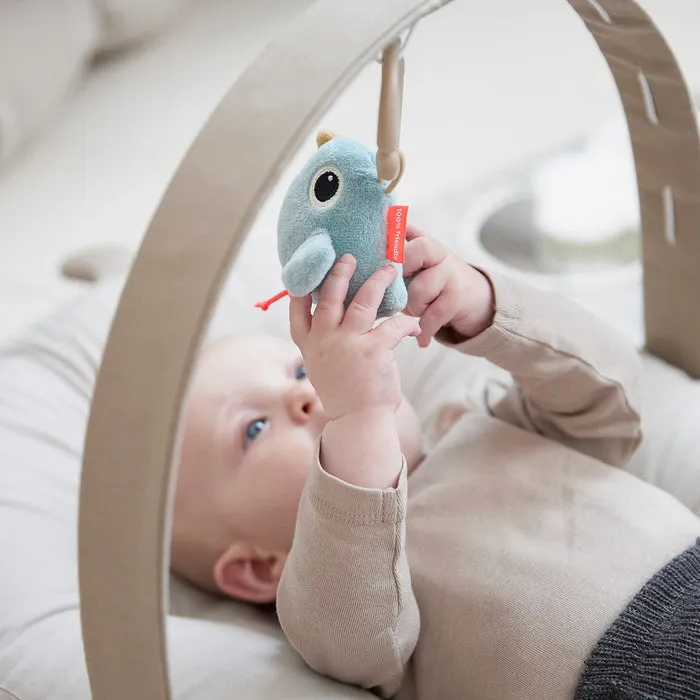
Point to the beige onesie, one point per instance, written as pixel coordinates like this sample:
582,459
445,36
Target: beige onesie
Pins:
493,570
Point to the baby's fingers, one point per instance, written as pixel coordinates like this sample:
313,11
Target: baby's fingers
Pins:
362,310
438,314
300,318
392,331
422,252
414,232
331,298
424,289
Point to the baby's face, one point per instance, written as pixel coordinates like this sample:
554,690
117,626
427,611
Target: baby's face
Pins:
251,427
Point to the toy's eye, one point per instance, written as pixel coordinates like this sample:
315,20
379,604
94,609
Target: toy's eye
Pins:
325,188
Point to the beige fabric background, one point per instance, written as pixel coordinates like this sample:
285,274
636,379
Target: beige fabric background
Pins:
46,47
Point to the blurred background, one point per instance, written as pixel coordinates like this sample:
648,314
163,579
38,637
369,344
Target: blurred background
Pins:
511,120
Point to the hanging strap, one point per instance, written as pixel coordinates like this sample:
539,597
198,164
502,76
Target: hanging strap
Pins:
131,444
390,159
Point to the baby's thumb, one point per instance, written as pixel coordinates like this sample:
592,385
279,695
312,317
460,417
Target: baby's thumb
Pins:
392,331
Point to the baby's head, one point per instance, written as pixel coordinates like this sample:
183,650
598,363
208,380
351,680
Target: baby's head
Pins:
251,425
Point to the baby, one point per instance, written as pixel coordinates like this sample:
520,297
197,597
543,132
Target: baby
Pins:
511,562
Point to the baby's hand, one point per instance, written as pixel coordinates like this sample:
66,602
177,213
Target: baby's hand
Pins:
445,290
351,365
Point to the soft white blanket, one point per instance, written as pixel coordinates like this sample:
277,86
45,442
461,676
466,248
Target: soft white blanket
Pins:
46,45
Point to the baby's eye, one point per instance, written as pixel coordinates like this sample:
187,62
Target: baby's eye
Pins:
254,429
301,372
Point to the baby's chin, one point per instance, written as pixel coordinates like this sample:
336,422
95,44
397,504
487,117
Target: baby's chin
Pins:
410,434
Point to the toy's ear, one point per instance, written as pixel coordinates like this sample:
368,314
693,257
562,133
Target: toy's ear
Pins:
324,137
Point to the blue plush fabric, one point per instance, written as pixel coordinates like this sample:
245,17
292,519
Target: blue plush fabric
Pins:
336,205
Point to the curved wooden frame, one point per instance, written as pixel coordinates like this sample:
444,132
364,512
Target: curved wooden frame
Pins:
128,475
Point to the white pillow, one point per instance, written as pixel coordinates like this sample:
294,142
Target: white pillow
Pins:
44,48
218,649
47,47
669,456
123,22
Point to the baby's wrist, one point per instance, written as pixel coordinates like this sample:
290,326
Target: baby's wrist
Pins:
363,419
482,308
362,448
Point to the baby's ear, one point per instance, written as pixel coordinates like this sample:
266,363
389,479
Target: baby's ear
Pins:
324,137
249,574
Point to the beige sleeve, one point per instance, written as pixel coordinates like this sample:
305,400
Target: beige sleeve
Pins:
345,601
576,379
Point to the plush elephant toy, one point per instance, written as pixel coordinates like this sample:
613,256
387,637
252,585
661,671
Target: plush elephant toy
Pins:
337,205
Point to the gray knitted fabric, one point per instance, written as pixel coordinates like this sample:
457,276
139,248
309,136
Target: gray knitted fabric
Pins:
652,651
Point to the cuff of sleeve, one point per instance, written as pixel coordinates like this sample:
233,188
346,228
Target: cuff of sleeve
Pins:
508,311
339,500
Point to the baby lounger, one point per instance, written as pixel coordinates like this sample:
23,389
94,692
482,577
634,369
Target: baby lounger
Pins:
197,232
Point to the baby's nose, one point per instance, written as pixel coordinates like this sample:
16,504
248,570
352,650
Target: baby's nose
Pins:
305,405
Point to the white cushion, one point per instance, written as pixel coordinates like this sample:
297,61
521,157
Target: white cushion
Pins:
669,456
46,48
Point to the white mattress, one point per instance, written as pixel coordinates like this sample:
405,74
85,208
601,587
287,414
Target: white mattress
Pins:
491,82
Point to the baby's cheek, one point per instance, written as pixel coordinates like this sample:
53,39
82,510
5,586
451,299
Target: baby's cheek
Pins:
285,483
296,474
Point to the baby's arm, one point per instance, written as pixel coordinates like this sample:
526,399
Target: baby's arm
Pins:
345,600
576,379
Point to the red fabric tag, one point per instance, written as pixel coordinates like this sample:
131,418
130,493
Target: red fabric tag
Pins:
395,232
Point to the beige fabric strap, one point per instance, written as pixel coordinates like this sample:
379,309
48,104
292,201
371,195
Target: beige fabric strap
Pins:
131,447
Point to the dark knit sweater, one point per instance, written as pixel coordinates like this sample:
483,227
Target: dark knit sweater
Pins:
652,651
